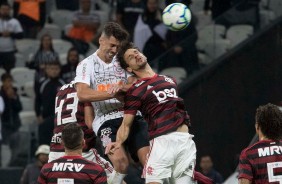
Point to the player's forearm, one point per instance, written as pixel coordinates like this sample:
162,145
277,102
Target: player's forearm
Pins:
90,95
122,133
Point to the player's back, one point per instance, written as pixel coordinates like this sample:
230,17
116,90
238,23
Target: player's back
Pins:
72,169
69,109
262,162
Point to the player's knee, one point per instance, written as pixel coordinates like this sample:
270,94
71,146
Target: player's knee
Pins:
120,163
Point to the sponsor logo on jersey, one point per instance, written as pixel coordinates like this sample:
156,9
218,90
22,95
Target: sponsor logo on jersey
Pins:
164,94
84,71
67,167
272,150
150,170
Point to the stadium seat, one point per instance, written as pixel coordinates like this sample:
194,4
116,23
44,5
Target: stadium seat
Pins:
216,48
28,119
27,103
266,16
238,33
197,5
203,19
28,89
104,17
62,18
51,29
27,46
20,60
276,7
22,75
178,73
209,33
61,46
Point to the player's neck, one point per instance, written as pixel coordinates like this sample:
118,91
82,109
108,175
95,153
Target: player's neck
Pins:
73,153
102,57
145,73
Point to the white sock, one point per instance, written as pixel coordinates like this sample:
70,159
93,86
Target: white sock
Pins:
116,178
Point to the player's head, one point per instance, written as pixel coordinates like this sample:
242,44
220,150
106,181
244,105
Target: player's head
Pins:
53,69
269,121
112,36
5,10
85,5
7,80
72,137
73,56
130,58
46,43
206,163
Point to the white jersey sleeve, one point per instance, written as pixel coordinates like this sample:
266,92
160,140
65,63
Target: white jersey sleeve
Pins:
83,71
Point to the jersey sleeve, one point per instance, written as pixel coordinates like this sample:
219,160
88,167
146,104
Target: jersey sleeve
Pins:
132,103
245,168
83,72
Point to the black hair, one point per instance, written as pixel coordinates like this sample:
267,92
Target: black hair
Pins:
120,55
6,76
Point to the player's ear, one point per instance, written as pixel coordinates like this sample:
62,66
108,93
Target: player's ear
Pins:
129,69
83,142
62,143
101,39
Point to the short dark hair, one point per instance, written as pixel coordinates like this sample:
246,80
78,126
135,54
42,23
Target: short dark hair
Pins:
6,76
122,49
115,30
269,120
55,62
72,136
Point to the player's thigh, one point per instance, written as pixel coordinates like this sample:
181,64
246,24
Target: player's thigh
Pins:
94,156
185,157
160,160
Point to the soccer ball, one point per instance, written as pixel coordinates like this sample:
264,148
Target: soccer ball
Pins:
176,16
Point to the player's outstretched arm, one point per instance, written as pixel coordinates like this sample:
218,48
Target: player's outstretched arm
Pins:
122,134
244,181
86,94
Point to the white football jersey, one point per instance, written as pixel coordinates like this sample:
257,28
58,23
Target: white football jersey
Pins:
99,76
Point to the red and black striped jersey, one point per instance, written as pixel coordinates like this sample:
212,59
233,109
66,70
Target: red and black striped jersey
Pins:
261,163
157,99
72,169
69,109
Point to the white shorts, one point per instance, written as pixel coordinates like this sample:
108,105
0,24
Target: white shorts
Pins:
171,156
91,155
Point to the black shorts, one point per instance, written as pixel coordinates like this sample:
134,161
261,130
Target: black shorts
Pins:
138,136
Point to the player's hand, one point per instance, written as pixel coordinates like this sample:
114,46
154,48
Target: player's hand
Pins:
112,147
114,88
